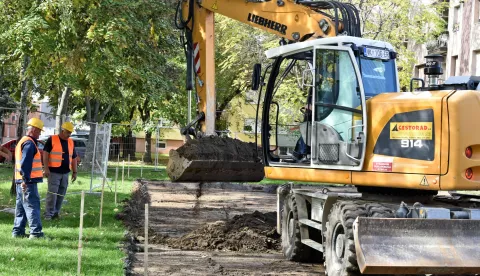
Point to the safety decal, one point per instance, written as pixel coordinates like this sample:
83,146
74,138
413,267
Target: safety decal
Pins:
408,135
214,6
196,55
424,181
411,130
382,164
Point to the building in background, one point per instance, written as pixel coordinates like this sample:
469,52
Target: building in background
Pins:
459,44
42,110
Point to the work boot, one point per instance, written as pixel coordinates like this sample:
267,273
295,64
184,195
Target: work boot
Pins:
16,236
56,216
33,237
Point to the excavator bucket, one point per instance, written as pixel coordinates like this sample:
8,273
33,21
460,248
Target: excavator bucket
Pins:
417,246
212,159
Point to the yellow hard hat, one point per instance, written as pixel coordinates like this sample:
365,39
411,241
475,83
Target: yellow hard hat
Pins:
68,126
35,122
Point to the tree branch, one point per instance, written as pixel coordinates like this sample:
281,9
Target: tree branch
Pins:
105,112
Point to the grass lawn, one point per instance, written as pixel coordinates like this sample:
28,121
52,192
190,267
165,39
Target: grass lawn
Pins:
58,255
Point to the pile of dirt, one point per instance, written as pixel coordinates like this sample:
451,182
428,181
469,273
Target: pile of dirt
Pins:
253,232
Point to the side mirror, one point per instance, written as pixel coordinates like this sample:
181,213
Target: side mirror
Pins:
257,71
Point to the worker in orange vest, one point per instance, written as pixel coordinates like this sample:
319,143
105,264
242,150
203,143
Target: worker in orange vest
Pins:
28,172
60,158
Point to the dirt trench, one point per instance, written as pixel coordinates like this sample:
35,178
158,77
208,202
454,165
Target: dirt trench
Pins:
207,229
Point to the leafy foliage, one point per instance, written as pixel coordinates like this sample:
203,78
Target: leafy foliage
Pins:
401,22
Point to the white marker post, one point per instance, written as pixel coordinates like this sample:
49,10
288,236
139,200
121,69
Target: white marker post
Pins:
116,178
128,167
141,168
123,171
82,204
145,251
101,202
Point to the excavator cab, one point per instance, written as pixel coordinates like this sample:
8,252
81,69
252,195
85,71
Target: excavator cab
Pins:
332,79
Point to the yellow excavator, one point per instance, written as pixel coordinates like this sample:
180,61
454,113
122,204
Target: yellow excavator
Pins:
401,157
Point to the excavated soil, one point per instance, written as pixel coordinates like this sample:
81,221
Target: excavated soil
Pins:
253,232
208,229
212,159
218,148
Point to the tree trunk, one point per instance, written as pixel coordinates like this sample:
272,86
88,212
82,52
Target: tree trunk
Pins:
62,109
148,147
22,120
129,146
94,116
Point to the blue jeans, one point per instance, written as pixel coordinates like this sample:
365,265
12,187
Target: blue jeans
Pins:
27,210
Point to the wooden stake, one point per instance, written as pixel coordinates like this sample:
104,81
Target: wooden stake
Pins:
82,204
101,202
123,171
145,252
116,178
141,168
128,167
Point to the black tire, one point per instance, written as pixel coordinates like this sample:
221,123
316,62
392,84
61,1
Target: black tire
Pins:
340,255
377,210
292,247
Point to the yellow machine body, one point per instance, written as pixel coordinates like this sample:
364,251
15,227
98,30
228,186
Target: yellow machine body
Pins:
453,130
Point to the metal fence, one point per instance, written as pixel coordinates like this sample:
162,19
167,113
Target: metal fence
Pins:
99,145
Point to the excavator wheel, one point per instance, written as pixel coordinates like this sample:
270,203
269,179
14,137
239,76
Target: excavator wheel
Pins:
340,256
292,247
377,210
214,159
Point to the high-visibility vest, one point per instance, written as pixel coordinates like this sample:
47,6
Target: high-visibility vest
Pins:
55,157
37,171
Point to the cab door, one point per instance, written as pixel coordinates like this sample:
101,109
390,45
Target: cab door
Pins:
339,123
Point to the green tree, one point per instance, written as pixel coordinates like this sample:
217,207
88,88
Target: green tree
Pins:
400,22
91,55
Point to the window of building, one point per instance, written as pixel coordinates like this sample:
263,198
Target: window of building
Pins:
454,66
251,97
249,126
14,118
477,10
456,19
476,63
419,71
161,145
165,123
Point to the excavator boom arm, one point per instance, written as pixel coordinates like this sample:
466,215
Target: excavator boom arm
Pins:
293,21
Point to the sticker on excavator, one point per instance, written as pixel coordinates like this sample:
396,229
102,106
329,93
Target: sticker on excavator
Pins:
411,130
383,164
424,181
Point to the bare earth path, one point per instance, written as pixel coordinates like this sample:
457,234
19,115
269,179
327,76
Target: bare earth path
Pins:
210,229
